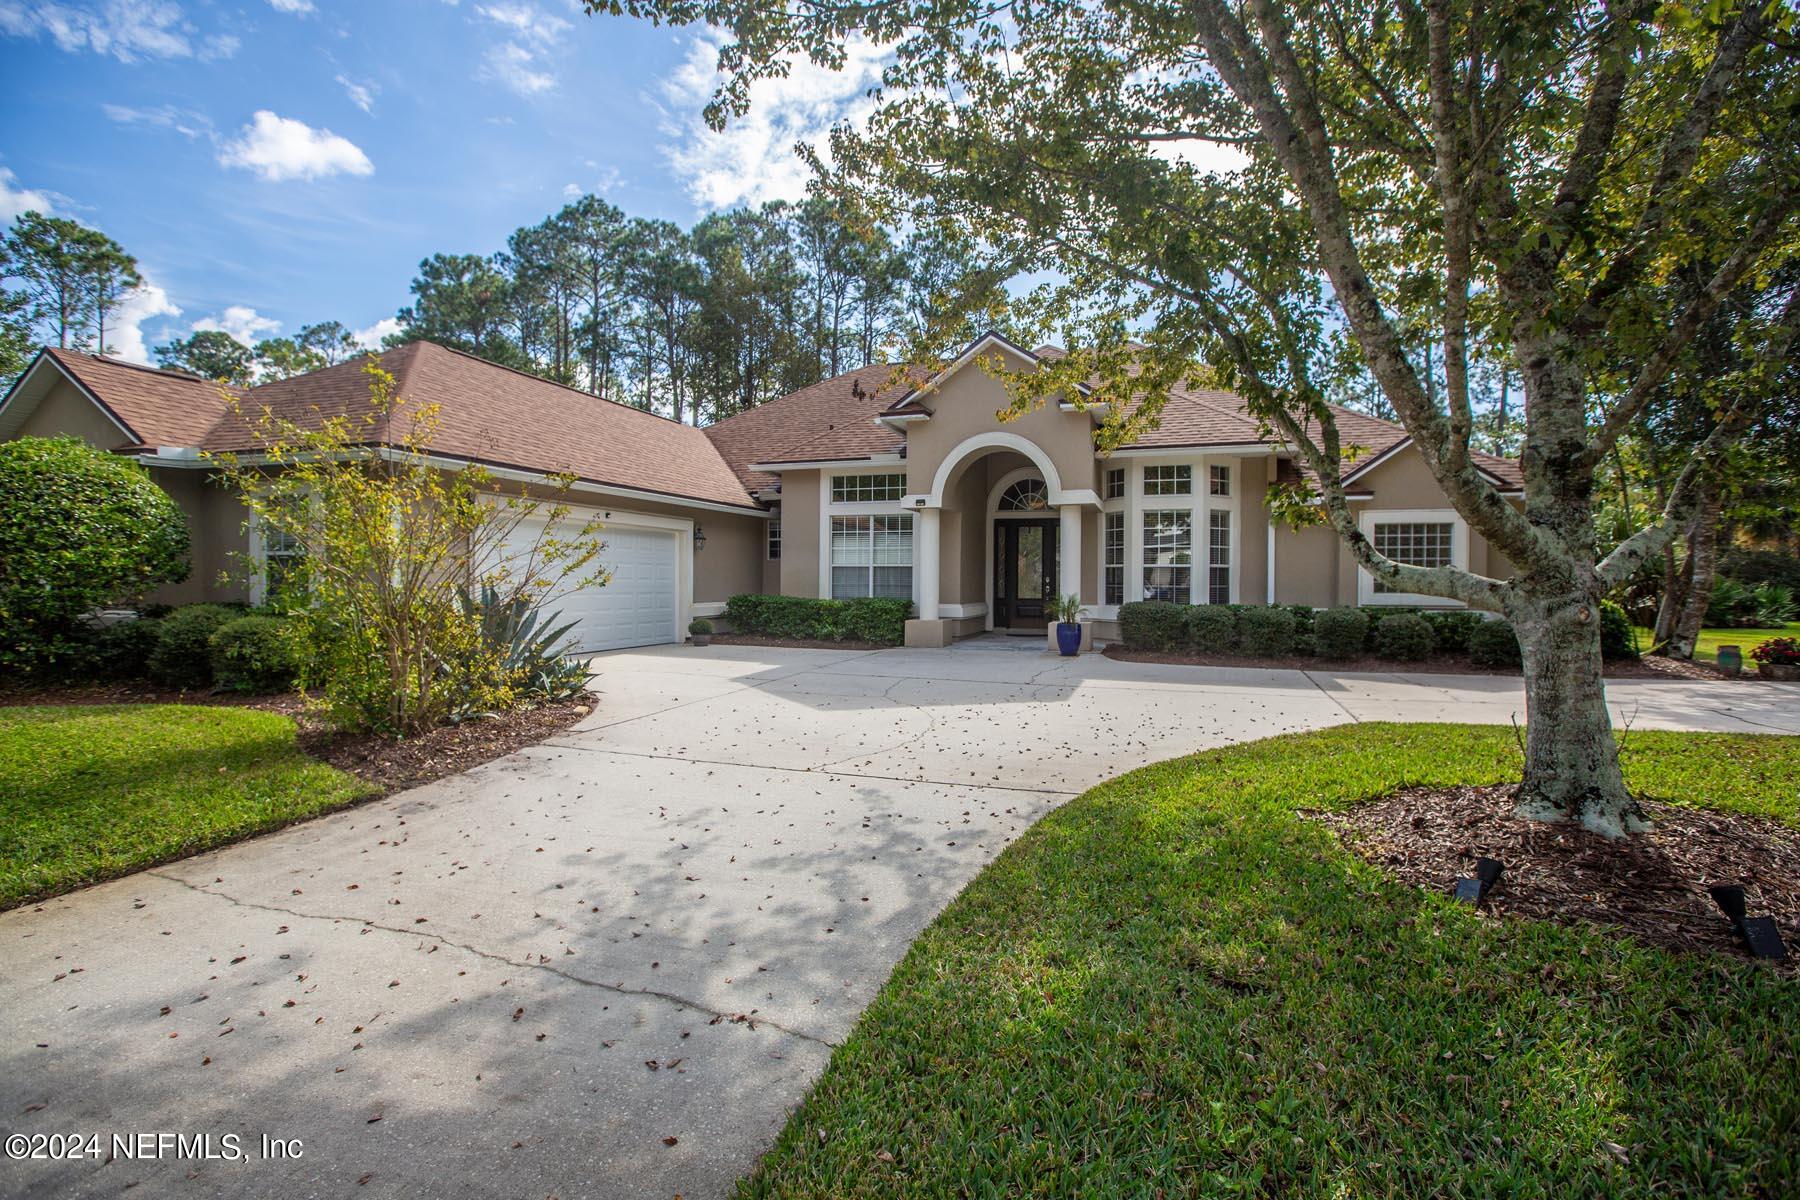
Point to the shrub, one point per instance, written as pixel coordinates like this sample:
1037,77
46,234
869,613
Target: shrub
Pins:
1212,628
1772,604
1266,632
700,626
1617,639
1303,628
183,654
254,654
1755,567
1730,604
869,619
79,529
122,650
1154,625
1452,629
1339,632
1404,637
1494,644
1781,652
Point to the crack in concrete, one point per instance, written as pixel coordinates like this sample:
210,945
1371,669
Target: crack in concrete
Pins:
490,956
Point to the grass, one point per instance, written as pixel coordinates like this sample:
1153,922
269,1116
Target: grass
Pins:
1174,985
91,792
1706,647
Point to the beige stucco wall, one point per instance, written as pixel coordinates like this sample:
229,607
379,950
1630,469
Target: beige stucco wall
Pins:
800,533
1250,478
65,412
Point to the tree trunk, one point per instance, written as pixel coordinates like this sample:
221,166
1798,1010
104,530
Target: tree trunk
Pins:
1703,561
1571,760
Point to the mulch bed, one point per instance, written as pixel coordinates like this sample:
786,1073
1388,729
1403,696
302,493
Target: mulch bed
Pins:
1653,886
1648,667
750,639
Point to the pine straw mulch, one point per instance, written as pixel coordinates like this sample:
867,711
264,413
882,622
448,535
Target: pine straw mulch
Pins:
1648,667
1652,887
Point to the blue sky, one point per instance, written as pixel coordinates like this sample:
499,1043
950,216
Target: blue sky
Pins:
276,162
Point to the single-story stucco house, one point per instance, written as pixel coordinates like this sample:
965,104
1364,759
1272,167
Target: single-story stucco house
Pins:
870,483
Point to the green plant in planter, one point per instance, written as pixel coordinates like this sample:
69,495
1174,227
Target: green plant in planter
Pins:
701,630
1066,610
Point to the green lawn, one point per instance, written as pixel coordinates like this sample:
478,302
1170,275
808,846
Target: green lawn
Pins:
1706,649
1175,986
90,792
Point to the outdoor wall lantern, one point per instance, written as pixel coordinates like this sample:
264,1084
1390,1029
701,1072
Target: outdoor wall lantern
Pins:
699,536
1759,934
1487,871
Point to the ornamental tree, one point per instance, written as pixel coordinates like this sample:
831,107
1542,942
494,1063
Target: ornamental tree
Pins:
1257,190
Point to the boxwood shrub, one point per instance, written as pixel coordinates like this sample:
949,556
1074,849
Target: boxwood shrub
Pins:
1154,625
1339,632
1266,632
254,654
1493,643
183,654
122,650
1212,628
1452,629
870,619
1404,637
1617,639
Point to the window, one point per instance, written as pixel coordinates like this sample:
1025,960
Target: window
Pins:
1027,495
1113,557
284,562
1168,481
1115,483
1220,480
1168,554
1416,543
775,534
1218,556
871,556
867,489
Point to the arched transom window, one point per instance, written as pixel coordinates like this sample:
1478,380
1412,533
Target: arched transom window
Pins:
1027,495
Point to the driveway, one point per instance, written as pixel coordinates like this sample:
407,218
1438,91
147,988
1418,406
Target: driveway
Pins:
611,964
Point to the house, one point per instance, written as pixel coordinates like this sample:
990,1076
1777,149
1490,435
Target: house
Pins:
877,482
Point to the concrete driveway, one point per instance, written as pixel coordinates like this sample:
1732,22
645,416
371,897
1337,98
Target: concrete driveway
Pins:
609,965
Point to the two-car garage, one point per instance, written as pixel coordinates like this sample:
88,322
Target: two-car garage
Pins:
640,605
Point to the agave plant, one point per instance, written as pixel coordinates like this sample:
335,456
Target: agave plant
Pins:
527,644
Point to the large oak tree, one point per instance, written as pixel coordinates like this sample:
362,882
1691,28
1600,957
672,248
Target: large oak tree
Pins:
1265,187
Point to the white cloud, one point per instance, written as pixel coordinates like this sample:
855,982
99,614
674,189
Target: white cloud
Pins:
241,322
297,7
512,65
125,332
15,200
128,30
361,94
167,116
280,148
370,338
525,20
605,183
520,63
753,160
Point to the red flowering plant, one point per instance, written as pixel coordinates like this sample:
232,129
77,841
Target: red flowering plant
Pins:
1782,651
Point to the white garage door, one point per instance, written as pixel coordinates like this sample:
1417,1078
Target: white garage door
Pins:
637,607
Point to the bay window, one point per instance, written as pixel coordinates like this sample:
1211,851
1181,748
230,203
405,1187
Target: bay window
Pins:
1112,558
1168,554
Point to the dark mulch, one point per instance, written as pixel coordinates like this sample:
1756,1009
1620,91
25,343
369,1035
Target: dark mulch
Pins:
1652,886
1438,664
751,639
394,765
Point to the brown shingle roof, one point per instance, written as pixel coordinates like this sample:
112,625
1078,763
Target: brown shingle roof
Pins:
832,419
486,413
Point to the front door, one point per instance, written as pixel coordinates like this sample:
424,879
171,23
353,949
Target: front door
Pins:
1024,573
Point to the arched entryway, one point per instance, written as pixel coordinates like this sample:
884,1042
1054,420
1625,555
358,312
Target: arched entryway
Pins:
1024,548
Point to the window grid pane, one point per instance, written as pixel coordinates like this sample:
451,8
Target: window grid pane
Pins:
871,556
1113,557
1218,557
1115,483
1168,554
1027,495
775,536
865,489
1415,543
1220,480
1168,481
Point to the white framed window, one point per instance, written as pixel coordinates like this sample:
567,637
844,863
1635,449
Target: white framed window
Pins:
1027,495
868,489
1218,556
1112,557
1169,481
1115,483
872,556
1416,537
1168,554
1219,480
775,535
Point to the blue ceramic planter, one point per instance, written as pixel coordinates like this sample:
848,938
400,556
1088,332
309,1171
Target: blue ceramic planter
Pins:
1068,638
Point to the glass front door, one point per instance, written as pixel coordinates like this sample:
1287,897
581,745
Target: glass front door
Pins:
1024,573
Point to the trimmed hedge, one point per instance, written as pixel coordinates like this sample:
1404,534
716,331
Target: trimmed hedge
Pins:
1452,629
1494,644
122,650
1267,632
1617,639
1212,628
254,654
870,619
183,654
1154,625
1340,632
1404,637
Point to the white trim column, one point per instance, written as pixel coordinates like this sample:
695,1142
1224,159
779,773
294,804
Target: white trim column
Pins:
925,561
1068,551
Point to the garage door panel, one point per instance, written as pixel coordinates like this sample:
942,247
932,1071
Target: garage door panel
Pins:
637,606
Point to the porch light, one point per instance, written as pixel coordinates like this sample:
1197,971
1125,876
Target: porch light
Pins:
699,536
1487,873
1759,934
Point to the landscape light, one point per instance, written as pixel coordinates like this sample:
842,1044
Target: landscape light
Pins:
1759,934
1487,872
